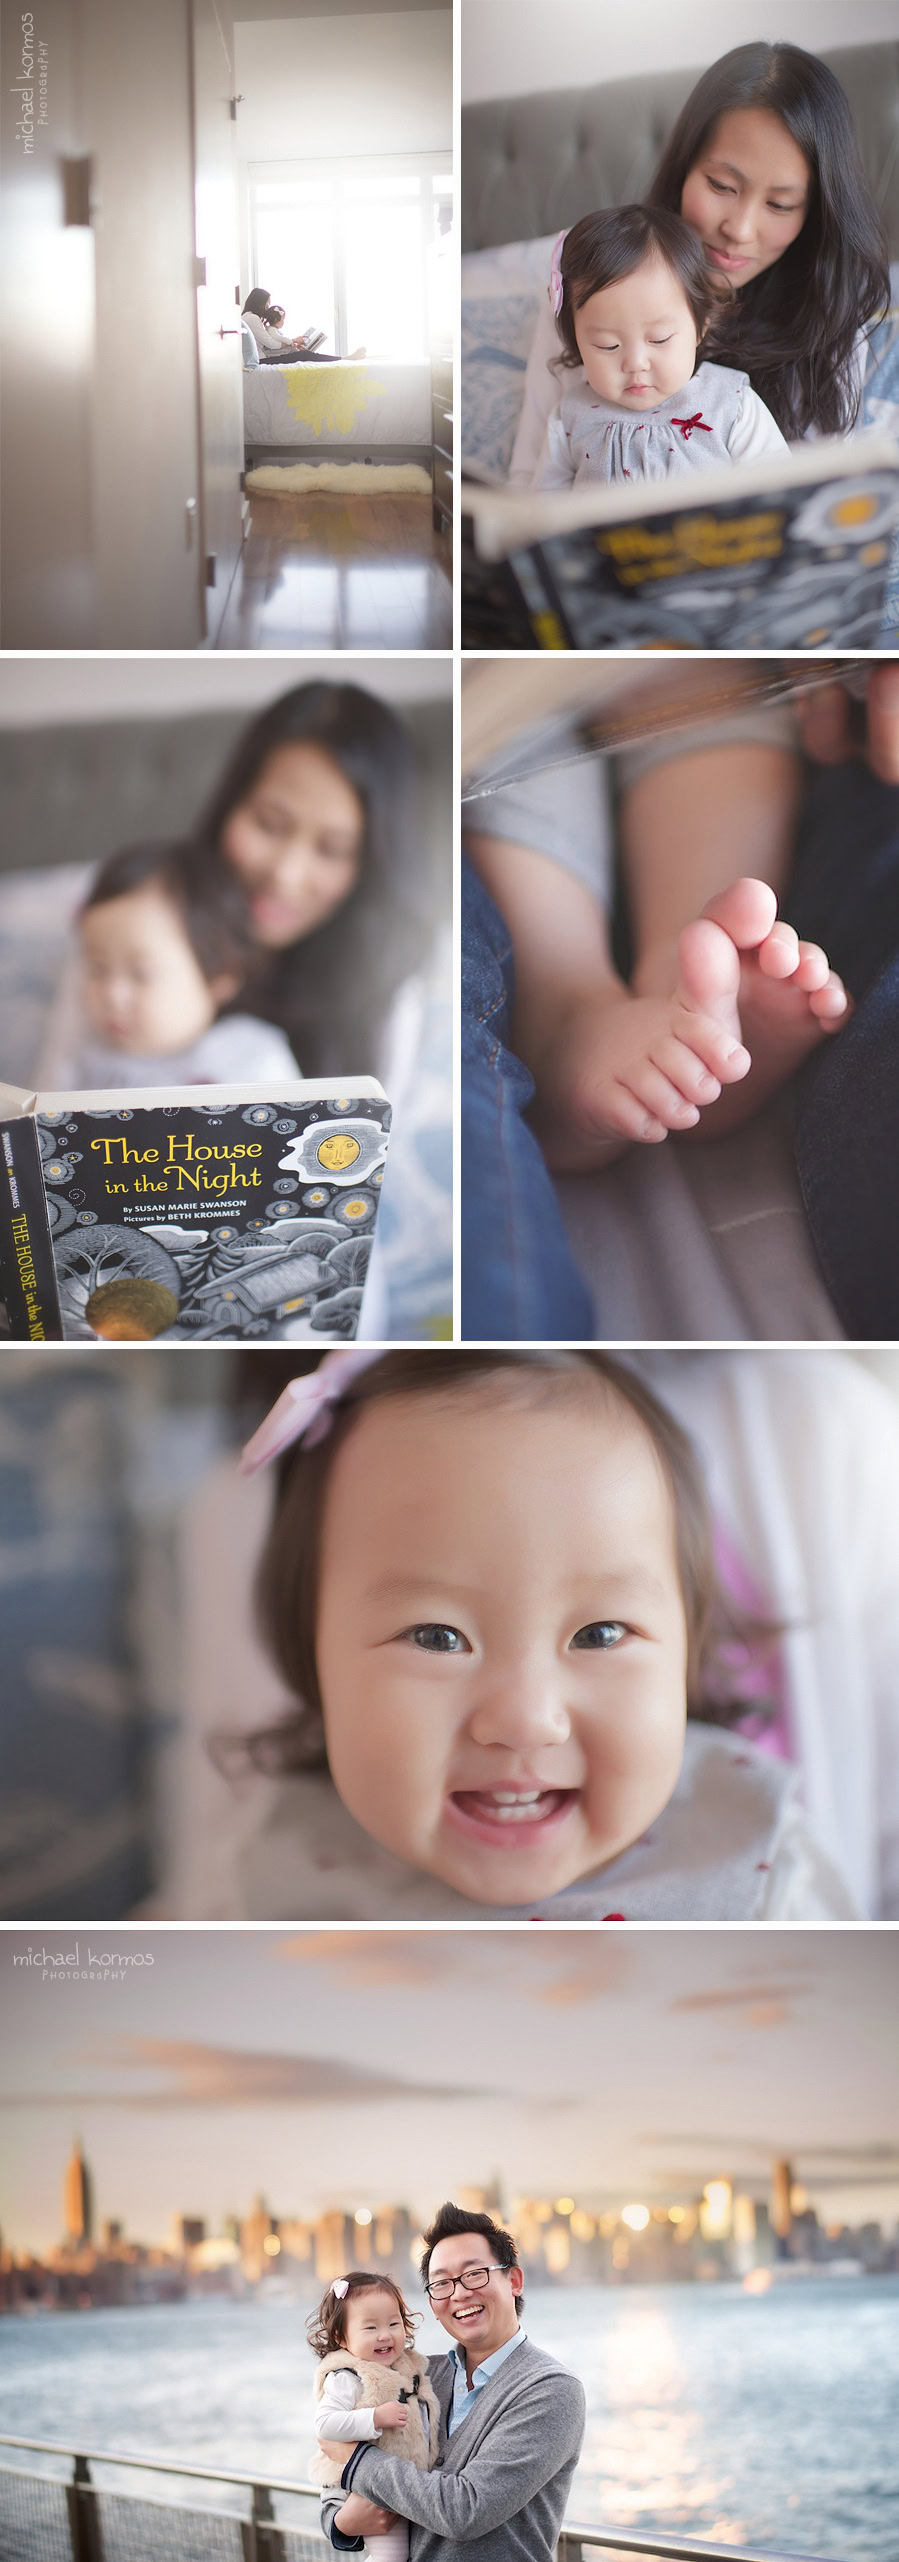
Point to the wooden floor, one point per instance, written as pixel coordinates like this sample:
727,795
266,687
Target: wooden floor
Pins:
339,573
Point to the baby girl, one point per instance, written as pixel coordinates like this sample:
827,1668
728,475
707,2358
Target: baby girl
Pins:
633,297
164,945
371,2386
489,1585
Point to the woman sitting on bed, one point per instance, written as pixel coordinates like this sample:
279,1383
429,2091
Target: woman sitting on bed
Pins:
265,320
763,163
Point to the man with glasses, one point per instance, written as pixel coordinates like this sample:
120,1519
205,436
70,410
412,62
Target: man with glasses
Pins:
512,2421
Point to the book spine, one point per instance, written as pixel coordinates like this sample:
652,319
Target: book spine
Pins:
27,1271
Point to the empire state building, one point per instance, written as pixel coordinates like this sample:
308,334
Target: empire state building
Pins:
78,2200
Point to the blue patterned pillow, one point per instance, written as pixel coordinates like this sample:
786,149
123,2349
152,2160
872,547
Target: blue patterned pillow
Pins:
502,290
880,408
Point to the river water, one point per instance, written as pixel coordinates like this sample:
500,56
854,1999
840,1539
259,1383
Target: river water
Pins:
768,2419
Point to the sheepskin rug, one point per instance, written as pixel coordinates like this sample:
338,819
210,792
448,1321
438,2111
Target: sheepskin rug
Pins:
368,480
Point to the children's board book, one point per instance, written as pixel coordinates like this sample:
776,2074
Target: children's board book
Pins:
792,553
171,1219
528,716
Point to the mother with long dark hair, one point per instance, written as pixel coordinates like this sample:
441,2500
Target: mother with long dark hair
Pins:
316,814
763,162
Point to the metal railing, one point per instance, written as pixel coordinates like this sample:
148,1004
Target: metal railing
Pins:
45,2518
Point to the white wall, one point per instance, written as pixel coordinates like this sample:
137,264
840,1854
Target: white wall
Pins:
38,691
329,87
511,47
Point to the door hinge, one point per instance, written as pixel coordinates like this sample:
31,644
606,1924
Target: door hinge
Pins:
210,569
77,190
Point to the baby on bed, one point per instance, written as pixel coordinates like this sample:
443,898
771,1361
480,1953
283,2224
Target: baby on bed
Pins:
633,298
163,947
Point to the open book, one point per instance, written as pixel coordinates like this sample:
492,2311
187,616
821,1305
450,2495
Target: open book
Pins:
569,708
792,553
161,1217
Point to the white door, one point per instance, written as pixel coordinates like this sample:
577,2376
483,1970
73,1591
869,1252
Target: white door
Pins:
48,595
218,308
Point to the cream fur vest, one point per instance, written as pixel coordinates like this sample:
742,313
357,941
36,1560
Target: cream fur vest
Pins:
407,2378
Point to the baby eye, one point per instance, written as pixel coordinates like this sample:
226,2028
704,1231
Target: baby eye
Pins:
600,1634
436,1639
662,342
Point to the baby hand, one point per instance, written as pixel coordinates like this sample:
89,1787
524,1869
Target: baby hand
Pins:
824,718
391,2415
363,2517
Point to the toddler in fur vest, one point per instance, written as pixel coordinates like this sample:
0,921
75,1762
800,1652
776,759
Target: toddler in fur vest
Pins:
370,2385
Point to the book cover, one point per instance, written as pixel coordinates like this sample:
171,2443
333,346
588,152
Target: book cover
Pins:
791,554
174,1219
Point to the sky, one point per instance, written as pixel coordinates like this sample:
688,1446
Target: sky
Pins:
354,2067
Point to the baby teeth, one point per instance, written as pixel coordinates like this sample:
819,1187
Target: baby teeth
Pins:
515,1810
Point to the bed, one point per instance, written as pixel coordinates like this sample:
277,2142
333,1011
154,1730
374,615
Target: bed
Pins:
356,411
531,165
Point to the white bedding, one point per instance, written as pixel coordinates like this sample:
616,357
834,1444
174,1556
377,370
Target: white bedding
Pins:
310,406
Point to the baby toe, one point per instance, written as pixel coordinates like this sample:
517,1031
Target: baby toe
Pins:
712,1043
830,1003
778,956
814,968
632,1118
686,1071
663,1098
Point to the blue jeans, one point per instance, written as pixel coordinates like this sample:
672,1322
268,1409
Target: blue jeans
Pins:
845,894
519,1281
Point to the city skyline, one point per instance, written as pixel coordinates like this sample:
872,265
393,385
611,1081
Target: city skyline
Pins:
559,2061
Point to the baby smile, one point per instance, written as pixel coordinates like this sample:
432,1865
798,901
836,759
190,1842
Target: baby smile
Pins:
510,1818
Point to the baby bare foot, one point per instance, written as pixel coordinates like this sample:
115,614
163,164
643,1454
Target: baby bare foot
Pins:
749,1002
637,1066
783,999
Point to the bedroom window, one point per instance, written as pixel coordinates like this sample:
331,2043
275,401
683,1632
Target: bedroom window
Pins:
347,248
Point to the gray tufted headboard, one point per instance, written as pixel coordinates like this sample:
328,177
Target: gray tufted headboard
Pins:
71,792
530,165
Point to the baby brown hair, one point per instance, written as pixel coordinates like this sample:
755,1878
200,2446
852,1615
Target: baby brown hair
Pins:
288,1576
326,2328
603,247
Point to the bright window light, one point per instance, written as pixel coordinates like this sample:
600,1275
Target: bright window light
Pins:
348,249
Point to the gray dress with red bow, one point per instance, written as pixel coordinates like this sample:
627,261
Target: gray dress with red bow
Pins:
711,420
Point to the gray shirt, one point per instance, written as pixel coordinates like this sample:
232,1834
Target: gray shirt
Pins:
500,2488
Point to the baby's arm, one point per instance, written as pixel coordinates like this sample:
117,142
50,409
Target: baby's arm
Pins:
754,433
555,469
341,2418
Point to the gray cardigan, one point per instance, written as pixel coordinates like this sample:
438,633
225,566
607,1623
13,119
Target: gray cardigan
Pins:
500,2487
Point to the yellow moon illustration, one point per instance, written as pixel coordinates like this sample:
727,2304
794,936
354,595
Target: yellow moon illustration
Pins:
338,1152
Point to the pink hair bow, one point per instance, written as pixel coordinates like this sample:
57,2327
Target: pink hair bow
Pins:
556,285
340,2287
305,1411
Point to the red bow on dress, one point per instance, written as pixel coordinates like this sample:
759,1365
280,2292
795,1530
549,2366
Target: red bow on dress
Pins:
688,424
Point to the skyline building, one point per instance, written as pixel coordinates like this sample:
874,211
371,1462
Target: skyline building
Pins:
77,2200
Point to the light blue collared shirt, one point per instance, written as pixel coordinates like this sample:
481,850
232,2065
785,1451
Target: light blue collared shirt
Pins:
465,2394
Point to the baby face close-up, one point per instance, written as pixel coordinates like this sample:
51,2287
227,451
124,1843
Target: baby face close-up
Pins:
296,842
144,990
501,1636
637,338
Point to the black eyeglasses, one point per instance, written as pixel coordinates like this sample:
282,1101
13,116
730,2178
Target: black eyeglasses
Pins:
440,2289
